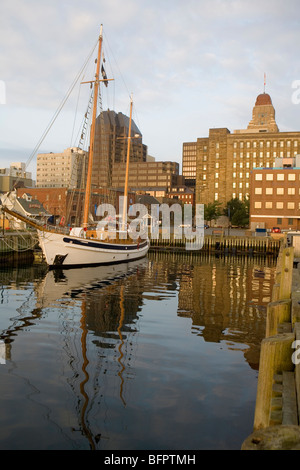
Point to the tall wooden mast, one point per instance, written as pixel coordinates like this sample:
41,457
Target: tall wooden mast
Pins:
124,218
92,137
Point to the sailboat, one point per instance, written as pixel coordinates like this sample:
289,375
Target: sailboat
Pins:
81,246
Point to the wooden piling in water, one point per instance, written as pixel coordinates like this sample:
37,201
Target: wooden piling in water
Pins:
275,357
277,312
278,387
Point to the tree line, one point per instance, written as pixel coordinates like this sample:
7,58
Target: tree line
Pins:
236,210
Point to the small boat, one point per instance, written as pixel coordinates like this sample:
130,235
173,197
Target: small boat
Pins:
82,246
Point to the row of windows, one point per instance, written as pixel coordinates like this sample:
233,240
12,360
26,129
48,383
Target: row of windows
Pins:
279,176
234,195
267,143
280,191
277,205
236,185
265,154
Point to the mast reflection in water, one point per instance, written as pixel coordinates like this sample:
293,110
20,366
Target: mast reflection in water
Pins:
157,354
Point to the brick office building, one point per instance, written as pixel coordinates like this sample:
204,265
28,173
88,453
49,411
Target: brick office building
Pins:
275,195
224,160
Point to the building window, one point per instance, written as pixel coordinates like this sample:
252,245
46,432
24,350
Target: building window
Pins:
269,205
279,220
292,177
291,205
279,205
258,190
291,191
269,190
257,205
290,221
280,191
269,177
280,177
258,177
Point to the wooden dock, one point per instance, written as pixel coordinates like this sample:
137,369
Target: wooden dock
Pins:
220,243
277,410
17,247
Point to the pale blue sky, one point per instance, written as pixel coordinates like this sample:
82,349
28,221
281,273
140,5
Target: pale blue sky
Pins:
190,64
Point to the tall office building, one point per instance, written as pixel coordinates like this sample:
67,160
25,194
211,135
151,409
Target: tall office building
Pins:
189,162
224,160
146,175
61,170
111,146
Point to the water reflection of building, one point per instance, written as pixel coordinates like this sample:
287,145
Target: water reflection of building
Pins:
227,298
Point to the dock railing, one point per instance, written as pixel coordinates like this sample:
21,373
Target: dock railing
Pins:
276,417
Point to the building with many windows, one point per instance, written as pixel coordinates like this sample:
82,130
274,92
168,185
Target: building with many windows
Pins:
224,160
61,170
111,137
189,161
275,195
145,175
15,176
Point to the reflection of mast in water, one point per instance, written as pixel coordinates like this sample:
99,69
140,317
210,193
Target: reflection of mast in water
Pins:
85,363
122,310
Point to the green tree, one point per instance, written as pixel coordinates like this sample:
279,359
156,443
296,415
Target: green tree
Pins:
212,211
238,211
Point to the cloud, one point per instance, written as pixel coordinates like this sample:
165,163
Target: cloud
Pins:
190,65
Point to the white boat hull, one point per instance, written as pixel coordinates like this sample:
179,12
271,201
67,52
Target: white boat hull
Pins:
66,250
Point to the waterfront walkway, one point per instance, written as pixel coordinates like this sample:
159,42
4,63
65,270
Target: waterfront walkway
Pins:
276,420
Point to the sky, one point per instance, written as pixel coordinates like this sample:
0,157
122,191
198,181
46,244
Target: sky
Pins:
190,65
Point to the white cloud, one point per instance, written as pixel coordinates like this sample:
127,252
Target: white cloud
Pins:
191,65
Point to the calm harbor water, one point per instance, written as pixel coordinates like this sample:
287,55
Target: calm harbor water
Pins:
160,354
